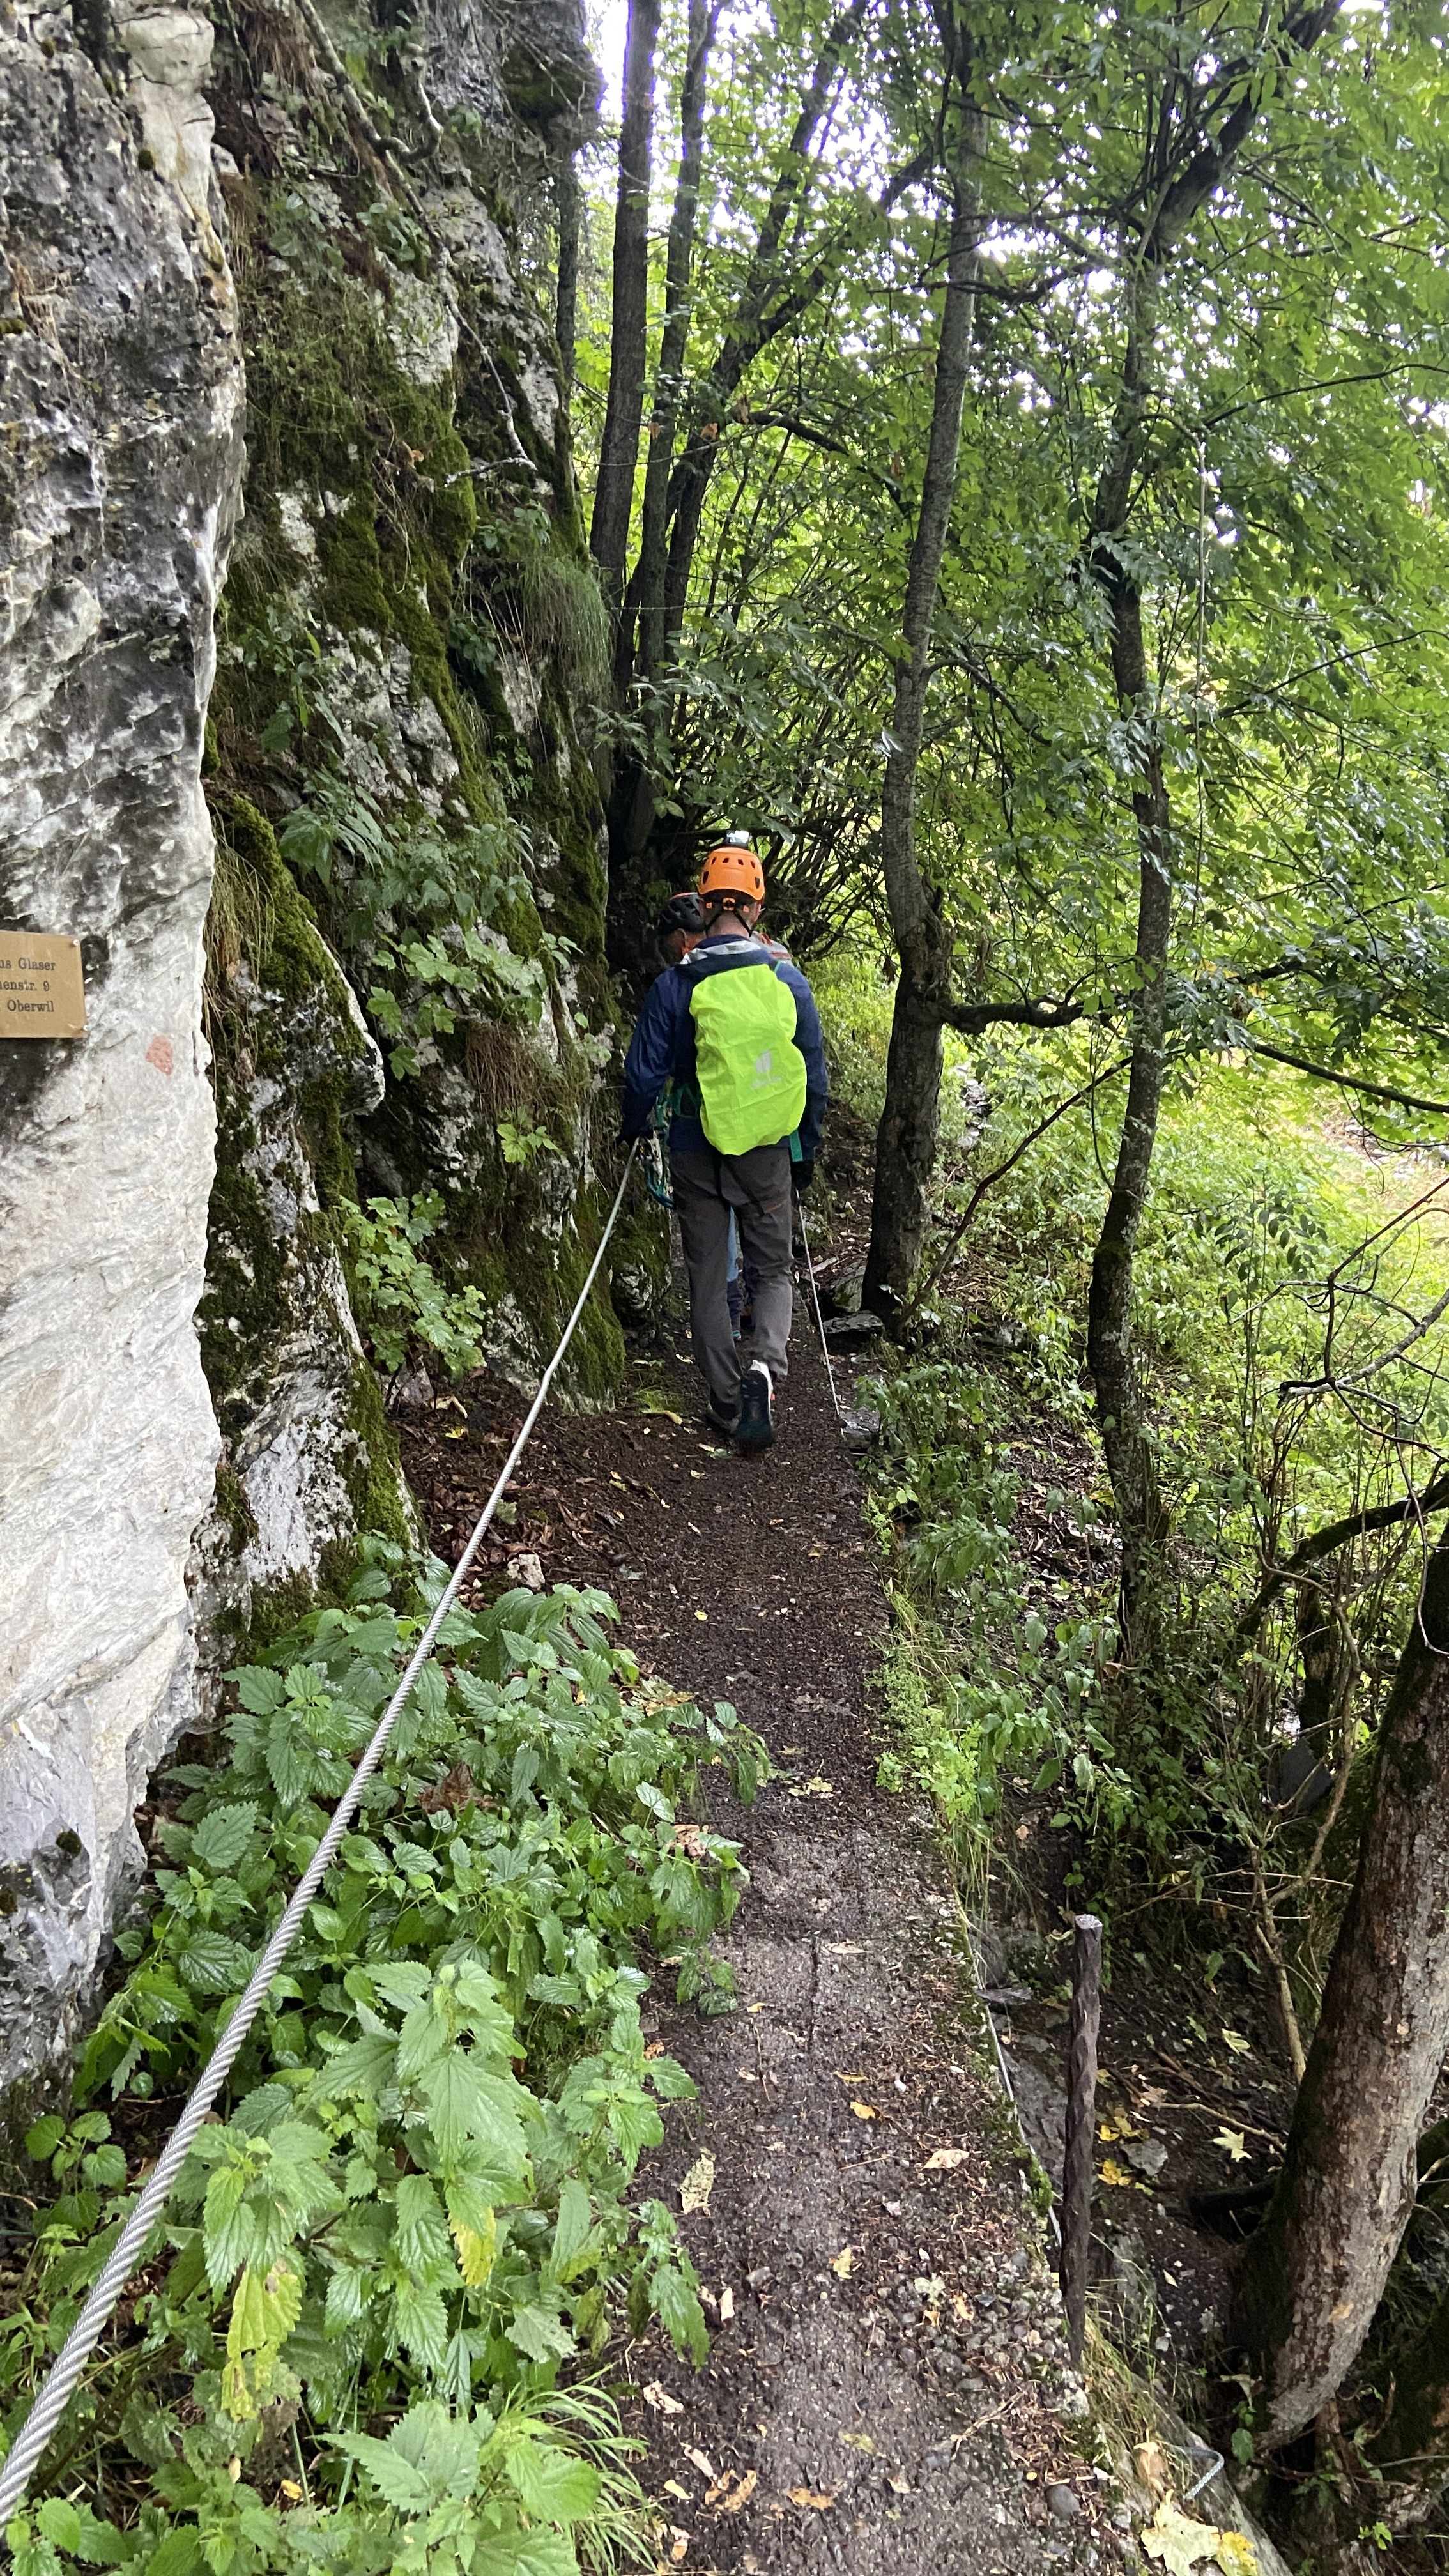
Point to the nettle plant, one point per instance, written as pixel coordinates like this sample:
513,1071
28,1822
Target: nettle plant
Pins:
413,2216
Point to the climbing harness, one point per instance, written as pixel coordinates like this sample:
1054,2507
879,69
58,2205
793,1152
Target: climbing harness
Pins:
820,1321
129,2250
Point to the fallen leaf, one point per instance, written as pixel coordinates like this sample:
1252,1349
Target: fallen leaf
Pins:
946,2159
726,2306
458,1432
290,2488
1115,2176
678,2542
841,2077
857,2441
807,2495
733,2490
701,1614
963,2309
1116,2125
898,2485
863,2111
754,2007
697,2185
1151,2463
1236,2554
842,2263
1233,2142
657,2396
1236,2042
673,2487
1179,2543
846,1949
705,2466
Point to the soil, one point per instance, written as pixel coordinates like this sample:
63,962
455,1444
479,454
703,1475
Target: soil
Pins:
888,2387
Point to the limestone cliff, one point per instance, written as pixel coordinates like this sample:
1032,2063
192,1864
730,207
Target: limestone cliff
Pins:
120,459
391,1013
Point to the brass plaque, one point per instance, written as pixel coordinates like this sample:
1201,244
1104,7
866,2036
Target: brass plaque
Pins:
42,988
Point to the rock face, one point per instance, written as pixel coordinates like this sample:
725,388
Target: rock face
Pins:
408,996
120,466
343,924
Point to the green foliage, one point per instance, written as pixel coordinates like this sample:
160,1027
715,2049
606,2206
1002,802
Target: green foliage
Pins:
524,1144
401,1300
413,2215
981,1688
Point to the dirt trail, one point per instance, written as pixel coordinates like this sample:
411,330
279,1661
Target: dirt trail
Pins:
905,2405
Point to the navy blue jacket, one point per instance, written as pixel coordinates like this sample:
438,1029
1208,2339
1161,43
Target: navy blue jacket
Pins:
662,1046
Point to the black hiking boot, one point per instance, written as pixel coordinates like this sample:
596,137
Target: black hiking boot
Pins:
757,1408
727,1424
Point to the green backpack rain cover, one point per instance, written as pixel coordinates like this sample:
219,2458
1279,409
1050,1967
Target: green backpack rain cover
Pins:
750,1072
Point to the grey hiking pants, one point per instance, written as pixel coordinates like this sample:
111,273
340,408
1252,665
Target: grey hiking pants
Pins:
757,1187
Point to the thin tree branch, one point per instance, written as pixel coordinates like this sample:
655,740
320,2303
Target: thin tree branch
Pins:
1349,1081
1334,1535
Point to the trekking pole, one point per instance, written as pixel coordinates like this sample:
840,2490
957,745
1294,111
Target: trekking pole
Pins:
820,1320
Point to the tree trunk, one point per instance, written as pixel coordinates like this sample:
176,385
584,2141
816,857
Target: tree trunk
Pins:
619,449
566,298
647,586
910,1123
1125,1440
1315,2270
751,327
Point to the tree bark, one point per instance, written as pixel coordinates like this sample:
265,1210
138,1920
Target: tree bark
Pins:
566,295
910,1123
619,449
647,587
1130,1461
1182,172
751,328
1315,2270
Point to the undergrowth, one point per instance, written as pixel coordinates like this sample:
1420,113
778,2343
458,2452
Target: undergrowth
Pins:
345,2344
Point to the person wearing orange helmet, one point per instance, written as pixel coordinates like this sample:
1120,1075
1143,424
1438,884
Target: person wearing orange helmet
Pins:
733,1031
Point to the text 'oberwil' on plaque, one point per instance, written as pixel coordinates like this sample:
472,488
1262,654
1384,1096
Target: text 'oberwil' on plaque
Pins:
42,987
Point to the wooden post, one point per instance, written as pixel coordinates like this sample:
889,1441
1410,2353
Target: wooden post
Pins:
1080,2127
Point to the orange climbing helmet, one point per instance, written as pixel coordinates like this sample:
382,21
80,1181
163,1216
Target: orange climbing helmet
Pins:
732,868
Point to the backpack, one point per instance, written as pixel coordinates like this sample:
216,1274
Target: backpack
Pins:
749,1071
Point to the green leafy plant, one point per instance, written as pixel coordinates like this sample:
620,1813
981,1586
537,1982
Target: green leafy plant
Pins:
413,2216
401,1298
524,1145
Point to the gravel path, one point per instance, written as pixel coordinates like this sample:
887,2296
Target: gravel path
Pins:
887,2387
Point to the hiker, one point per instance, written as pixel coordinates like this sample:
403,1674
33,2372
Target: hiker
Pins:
679,926
734,1032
